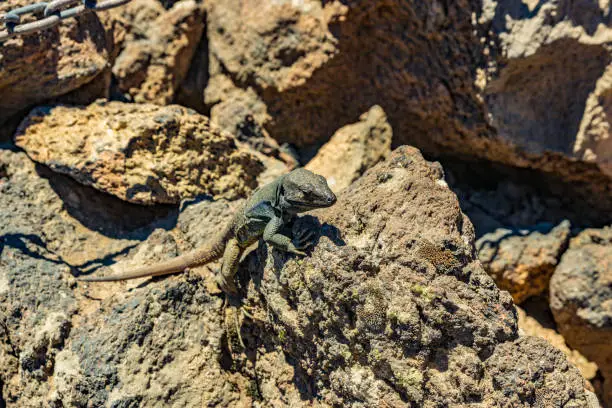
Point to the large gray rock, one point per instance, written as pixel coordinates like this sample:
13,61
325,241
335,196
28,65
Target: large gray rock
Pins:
393,305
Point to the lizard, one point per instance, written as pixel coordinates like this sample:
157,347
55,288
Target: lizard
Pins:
264,215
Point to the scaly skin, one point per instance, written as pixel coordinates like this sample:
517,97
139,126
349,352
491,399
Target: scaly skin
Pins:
263,216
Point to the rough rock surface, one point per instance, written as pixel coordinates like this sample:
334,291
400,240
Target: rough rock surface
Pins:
440,72
581,298
155,345
49,227
354,149
393,307
140,153
304,61
522,261
53,62
155,47
384,309
594,139
546,90
529,326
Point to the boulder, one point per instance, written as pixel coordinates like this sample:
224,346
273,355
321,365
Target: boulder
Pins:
546,85
53,62
155,47
522,261
353,149
140,153
393,307
581,299
530,326
50,226
517,84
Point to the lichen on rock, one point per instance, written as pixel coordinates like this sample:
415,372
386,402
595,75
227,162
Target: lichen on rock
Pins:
392,305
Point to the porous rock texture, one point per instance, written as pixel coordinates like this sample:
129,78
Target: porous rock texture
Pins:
140,153
53,62
581,299
522,261
546,90
531,326
155,45
49,227
353,149
392,307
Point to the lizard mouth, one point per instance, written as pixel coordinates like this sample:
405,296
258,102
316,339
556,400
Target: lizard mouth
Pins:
323,202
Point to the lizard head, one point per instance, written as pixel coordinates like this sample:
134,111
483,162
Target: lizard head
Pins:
302,190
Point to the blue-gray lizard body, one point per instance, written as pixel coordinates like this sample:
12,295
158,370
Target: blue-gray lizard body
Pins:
263,216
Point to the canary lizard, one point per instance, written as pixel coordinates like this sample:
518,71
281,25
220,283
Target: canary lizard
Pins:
264,214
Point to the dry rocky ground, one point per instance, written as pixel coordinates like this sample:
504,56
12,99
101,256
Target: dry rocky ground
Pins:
470,146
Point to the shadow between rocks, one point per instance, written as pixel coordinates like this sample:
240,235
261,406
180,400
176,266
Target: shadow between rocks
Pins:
106,214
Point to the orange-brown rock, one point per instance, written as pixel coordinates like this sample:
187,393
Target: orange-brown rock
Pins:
53,62
353,149
492,80
155,47
140,153
522,261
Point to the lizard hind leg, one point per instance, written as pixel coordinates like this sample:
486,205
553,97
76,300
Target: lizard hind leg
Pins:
232,320
231,259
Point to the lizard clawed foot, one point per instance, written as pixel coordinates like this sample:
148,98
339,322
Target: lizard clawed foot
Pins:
233,318
304,238
229,287
292,249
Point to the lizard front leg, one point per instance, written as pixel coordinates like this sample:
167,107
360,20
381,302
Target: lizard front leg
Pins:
272,237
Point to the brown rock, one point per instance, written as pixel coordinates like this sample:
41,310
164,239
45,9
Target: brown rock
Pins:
581,299
242,113
141,153
305,62
522,261
53,62
156,47
353,149
392,306
530,372
549,75
302,73
594,138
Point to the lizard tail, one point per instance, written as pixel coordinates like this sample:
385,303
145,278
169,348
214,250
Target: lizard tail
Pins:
200,256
